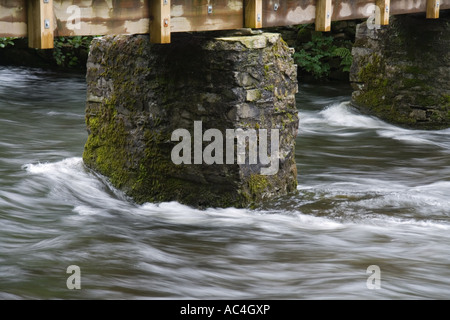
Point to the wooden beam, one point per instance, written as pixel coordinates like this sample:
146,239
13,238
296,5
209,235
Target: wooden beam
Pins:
40,24
323,15
101,17
160,21
207,15
433,9
253,14
293,12
383,18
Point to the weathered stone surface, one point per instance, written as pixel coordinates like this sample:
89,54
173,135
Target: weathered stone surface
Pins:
401,73
139,93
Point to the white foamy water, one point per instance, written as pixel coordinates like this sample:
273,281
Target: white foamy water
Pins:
369,194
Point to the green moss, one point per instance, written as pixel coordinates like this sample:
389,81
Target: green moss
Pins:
427,100
257,184
280,93
414,70
267,71
105,148
369,98
93,123
154,166
446,100
291,118
141,49
377,97
372,71
436,116
410,83
382,107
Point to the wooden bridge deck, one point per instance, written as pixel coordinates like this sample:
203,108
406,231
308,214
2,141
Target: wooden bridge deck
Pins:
41,20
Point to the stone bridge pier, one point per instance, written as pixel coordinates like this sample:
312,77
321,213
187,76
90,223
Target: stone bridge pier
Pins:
161,118
401,72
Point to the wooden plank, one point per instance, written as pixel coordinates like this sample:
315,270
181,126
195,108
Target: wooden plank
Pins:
40,24
293,12
160,21
382,18
133,16
323,15
188,15
253,14
103,17
433,7
288,12
13,18
99,17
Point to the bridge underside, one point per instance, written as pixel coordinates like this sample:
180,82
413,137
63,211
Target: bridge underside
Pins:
41,20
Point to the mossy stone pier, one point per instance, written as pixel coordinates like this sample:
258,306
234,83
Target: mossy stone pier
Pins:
401,72
139,93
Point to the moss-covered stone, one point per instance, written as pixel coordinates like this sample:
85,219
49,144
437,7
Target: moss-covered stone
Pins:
401,73
139,93
257,184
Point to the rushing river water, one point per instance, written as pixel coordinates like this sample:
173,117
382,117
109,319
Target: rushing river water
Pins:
369,194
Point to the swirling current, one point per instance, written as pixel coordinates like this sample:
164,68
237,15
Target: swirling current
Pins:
369,194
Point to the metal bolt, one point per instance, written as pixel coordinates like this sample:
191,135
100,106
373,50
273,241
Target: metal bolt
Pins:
165,2
166,23
210,9
258,17
276,6
47,24
387,8
328,14
45,1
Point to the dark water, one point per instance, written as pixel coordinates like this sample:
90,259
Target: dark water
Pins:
370,194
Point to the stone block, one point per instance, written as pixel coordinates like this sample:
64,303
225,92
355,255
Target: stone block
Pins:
140,93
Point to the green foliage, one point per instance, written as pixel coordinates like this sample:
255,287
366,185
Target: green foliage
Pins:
67,50
346,55
311,57
4,42
315,55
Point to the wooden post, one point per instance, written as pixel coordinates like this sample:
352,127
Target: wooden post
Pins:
160,21
385,7
323,15
40,24
433,9
253,14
